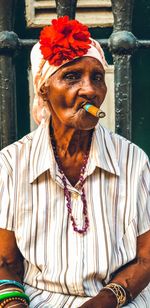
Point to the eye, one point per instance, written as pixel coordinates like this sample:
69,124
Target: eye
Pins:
72,76
98,77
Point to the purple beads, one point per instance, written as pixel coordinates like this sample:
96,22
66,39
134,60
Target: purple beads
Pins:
68,194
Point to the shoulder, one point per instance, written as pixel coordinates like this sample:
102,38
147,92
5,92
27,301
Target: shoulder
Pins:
124,148
10,154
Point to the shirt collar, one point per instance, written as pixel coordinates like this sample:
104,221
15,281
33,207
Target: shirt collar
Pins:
102,153
41,156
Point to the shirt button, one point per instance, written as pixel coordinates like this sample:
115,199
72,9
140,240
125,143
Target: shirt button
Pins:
75,195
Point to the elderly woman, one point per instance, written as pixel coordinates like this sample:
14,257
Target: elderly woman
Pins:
75,207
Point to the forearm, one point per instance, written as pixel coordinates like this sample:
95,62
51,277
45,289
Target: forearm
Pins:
136,275
11,260
11,271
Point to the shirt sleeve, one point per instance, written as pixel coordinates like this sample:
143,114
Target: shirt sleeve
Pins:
6,211
143,201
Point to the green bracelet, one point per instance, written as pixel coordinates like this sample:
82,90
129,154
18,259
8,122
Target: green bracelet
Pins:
12,282
14,294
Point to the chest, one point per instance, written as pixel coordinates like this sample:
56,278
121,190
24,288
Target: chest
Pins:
42,217
102,190
72,166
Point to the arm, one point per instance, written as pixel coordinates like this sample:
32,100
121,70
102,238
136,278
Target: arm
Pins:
11,261
134,276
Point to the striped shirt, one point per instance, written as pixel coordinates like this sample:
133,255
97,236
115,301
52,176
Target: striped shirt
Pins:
64,268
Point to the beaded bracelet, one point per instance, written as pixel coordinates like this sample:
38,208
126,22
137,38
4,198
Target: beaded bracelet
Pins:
14,294
118,291
11,282
15,298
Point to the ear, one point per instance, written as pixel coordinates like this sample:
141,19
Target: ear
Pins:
43,92
37,108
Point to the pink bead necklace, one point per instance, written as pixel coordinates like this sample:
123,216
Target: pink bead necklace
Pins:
67,193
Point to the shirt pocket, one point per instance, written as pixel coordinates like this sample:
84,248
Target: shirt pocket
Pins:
125,248
127,245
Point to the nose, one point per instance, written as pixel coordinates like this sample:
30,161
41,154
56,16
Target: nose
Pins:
87,89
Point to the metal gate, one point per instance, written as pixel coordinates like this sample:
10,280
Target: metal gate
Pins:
121,43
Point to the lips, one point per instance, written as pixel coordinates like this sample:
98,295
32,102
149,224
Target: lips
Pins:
80,105
86,103
83,103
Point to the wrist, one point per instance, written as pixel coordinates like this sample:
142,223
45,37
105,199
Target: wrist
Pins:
121,293
109,297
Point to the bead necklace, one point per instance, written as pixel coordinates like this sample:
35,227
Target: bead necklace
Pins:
67,193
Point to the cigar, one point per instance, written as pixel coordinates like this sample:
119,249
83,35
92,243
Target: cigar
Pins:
94,110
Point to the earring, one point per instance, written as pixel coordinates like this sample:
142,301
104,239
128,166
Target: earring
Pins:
43,93
44,115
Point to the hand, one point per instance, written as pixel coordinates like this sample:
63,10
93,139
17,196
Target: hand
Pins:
105,299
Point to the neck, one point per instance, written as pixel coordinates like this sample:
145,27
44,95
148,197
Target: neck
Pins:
69,140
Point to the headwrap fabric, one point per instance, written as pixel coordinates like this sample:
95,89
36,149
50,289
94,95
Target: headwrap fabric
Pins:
42,70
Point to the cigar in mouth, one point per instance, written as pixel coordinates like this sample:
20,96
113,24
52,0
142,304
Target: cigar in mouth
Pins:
97,112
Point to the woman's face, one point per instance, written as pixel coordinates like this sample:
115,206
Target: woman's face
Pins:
73,84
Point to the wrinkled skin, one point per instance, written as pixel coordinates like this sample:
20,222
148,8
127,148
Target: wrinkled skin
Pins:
105,299
82,80
76,82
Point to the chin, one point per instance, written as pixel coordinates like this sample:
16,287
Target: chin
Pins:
87,122
80,120
84,125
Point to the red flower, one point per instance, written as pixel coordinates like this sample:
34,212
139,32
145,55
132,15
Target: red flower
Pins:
64,40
